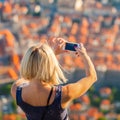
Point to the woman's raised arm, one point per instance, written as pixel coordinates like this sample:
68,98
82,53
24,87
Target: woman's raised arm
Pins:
75,90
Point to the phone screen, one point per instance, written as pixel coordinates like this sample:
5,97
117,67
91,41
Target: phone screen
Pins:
71,46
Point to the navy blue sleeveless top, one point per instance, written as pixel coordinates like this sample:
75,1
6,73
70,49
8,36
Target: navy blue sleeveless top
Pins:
54,111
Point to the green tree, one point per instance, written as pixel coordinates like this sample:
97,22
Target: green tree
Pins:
102,118
5,89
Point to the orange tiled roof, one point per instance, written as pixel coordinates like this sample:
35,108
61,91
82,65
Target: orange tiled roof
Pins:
85,99
7,8
106,90
76,106
8,36
106,102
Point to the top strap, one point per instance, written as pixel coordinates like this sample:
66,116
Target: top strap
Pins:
49,96
19,92
18,95
58,93
43,116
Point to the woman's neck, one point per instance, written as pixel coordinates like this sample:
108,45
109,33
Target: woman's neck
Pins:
43,84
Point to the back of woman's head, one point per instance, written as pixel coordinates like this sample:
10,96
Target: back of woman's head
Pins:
40,63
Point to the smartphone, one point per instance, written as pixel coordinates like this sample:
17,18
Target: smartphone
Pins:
71,46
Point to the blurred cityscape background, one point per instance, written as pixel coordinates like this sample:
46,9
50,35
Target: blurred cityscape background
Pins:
95,23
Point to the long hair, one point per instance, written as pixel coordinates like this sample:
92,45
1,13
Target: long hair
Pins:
40,63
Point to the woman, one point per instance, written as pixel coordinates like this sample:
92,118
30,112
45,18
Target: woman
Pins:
39,91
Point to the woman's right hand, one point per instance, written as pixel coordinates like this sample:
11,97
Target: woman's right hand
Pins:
81,50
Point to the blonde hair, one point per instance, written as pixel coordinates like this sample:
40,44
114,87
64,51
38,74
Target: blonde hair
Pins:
40,63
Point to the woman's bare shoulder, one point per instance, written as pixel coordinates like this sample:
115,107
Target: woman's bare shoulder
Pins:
17,83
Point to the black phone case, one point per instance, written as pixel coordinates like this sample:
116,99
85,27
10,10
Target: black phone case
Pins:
71,46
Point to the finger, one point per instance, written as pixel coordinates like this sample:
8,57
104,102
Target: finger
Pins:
76,48
62,39
81,45
59,40
62,44
54,39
